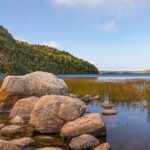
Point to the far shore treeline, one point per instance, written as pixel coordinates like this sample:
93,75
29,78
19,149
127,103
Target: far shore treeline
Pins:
17,57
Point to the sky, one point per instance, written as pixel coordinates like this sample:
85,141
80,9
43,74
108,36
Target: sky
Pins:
112,34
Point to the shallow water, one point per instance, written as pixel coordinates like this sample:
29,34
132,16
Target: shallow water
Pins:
129,129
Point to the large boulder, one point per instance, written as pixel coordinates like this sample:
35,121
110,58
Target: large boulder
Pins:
90,124
24,107
83,142
36,83
52,111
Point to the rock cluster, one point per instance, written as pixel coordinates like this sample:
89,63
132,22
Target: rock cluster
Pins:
40,100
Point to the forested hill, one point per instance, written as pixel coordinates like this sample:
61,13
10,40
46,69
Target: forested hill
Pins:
20,58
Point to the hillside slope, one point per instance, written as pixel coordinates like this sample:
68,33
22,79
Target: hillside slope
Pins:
18,57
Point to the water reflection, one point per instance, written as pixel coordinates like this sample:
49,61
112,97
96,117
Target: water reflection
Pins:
130,128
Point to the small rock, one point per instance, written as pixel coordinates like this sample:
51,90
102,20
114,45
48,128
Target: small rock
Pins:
90,124
104,146
11,129
23,143
2,126
110,112
97,97
49,148
83,142
5,145
17,120
86,98
108,105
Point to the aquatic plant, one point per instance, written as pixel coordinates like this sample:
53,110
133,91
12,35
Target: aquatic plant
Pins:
128,90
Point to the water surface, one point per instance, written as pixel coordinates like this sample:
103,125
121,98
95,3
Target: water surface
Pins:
130,128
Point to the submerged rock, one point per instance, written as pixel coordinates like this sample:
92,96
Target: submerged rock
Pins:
11,129
90,124
17,120
36,83
51,112
83,142
46,140
23,142
109,112
104,146
5,145
108,105
24,107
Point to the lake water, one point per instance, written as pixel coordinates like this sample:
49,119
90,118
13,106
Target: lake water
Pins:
130,128
108,77
127,130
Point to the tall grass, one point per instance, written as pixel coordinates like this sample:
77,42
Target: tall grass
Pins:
127,90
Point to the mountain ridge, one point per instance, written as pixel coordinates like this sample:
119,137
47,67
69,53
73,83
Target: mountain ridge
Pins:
18,57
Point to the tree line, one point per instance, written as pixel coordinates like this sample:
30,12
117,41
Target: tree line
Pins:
18,57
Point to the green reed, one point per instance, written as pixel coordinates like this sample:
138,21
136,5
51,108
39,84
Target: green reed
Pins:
126,90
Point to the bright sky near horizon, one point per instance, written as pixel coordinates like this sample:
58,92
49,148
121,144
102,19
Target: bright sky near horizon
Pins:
112,34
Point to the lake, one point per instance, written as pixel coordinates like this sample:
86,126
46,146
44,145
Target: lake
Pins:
108,76
130,128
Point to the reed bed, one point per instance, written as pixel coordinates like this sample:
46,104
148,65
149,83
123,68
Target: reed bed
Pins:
128,90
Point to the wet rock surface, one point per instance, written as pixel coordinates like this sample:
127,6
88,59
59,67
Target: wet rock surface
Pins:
49,148
11,129
108,105
46,140
23,142
83,142
104,146
110,112
91,124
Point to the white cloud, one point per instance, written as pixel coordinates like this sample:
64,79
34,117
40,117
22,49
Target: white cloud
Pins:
110,26
51,44
105,5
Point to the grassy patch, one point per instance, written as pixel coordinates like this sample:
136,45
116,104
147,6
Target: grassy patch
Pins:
126,90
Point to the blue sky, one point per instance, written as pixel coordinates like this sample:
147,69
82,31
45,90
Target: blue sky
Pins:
112,34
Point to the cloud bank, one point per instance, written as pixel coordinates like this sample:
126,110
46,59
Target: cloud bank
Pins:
106,5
